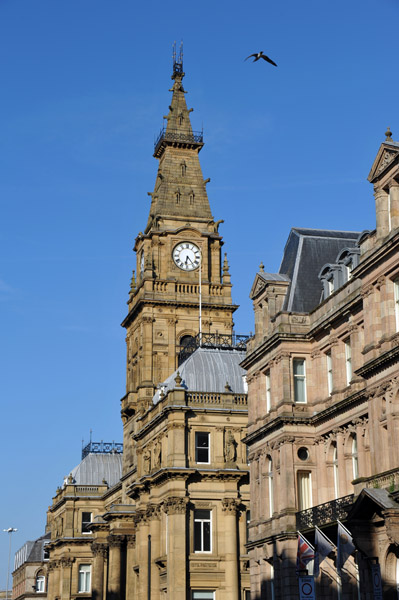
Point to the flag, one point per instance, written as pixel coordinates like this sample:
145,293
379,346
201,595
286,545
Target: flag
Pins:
345,546
305,553
323,547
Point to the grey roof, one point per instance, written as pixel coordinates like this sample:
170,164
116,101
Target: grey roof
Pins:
208,370
305,252
273,276
31,551
96,467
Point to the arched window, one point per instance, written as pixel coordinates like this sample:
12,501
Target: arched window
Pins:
335,472
183,169
40,583
270,485
186,340
355,463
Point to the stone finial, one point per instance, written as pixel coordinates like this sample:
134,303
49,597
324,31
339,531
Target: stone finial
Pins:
225,265
104,481
58,490
227,387
262,267
388,135
133,284
70,478
178,379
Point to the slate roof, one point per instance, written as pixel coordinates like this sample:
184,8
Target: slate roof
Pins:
305,253
31,551
208,370
96,467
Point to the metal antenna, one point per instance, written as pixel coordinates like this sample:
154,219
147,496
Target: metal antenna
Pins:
177,61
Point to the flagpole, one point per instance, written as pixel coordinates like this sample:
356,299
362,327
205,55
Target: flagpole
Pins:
200,299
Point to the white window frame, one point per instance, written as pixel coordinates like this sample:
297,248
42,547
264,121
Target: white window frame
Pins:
83,523
202,595
199,448
348,361
203,521
40,584
330,381
396,296
270,486
300,378
304,503
268,392
84,579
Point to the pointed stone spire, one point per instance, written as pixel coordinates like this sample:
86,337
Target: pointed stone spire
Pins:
180,189
226,272
132,286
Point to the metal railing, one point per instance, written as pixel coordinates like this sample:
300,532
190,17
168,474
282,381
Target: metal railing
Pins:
102,448
174,135
213,340
324,513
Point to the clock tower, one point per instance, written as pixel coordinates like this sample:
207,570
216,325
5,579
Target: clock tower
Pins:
180,272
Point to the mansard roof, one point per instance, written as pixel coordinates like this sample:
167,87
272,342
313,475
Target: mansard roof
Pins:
94,468
208,370
31,551
305,253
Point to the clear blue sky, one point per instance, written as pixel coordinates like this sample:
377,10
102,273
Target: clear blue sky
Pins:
84,86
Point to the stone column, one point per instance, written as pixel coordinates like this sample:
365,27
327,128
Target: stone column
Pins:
66,578
147,370
394,193
382,214
229,506
100,553
131,562
51,579
143,531
155,532
115,543
177,550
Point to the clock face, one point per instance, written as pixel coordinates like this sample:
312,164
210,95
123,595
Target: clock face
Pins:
187,256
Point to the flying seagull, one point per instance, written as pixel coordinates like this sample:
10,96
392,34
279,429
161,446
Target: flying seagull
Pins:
259,55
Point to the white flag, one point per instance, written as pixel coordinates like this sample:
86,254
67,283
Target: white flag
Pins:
345,546
323,547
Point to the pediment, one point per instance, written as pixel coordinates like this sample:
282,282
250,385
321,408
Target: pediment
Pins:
258,286
386,156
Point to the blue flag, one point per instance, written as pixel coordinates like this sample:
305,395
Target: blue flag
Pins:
323,547
345,546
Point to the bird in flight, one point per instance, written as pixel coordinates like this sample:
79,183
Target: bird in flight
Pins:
259,55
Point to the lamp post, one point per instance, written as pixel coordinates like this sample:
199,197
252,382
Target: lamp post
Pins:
10,530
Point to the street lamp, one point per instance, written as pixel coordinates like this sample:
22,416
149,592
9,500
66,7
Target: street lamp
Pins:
10,530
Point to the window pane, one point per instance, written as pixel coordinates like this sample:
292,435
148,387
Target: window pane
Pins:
202,514
299,366
207,536
197,536
299,390
202,455
202,595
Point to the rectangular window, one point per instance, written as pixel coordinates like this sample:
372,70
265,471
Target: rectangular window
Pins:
304,490
46,552
202,595
396,288
202,531
329,373
86,522
348,361
84,578
268,392
202,447
299,380
248,520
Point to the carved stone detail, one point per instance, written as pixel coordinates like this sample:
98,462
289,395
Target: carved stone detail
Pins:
99,549
175,506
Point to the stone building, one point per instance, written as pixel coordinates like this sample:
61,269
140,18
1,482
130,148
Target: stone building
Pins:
324,402
30,569
175,524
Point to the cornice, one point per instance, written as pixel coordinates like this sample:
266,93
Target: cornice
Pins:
375,365
178,303
312,420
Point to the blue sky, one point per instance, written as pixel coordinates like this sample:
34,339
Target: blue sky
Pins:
84,88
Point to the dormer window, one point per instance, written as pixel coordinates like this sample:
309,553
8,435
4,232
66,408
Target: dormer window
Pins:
330,286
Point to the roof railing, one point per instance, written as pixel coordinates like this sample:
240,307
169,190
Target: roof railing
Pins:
102,448
213,340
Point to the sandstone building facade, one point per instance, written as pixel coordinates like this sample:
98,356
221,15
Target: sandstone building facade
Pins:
174,524
324,402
